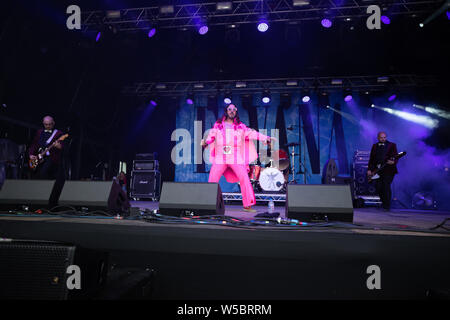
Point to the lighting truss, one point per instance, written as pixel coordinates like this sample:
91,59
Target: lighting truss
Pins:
281,85
247,11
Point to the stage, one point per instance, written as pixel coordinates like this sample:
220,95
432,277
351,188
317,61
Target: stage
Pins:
226,261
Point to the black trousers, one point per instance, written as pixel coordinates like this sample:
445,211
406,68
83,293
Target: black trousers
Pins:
383,186
47,170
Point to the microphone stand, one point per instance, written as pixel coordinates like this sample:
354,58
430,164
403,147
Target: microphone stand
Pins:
302,164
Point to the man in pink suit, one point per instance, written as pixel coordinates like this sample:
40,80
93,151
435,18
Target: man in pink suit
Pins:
231,151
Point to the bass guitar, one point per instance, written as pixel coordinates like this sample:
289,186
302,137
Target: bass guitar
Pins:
42,153
376,172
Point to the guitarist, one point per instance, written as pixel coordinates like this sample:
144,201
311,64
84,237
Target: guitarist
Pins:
381,153
48,169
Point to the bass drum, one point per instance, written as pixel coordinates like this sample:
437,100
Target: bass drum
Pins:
271,179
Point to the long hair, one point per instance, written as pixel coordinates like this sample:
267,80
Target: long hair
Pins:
236,121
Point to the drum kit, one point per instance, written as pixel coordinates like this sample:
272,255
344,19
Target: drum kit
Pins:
272,173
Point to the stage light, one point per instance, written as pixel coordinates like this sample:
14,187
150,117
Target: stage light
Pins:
382,79
326,23
98,36
263,25
372,106
392,97
306,99
292,83
227,98
113,14
266,97
153,102
198,86
385,19
151,32
299,3
224,5
203,29
161,86
166,10
241,84
421,25
448,15
190,99
336,81
347,95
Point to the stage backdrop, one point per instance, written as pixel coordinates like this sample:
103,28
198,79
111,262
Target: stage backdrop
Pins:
322,133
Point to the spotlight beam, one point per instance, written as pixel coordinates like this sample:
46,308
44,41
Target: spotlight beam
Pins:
435,111
419,119
443,8
345,115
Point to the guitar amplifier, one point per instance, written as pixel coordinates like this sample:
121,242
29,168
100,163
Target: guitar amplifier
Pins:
145,184
145,165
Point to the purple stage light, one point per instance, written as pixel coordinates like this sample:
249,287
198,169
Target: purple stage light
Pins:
98,36
152,32
385,19
392,98
203,30
189,101
306,99
263,27
348,98
448,15
153,103
326,23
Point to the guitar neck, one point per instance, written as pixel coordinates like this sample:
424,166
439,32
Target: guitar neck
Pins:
48,148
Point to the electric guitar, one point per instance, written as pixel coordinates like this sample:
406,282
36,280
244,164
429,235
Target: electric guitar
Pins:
42,153
376,172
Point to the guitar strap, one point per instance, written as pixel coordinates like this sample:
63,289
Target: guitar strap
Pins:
50,139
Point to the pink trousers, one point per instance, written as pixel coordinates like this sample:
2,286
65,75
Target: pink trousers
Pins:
240,170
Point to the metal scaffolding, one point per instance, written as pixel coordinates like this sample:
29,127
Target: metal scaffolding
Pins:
181,15
283,85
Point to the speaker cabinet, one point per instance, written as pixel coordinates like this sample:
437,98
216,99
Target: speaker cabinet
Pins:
145,184
319,202
104,195
183,198
39,270
361,186
32,193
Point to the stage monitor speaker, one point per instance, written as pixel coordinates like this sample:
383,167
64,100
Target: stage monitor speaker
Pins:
103,195
39,270
184,198
31,193
319,202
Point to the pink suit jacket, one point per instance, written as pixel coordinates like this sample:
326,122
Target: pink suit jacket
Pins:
243,149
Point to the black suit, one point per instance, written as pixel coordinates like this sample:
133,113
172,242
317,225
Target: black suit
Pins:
51,167
379,154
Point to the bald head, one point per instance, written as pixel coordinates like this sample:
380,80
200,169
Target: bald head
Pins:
48,123
382,136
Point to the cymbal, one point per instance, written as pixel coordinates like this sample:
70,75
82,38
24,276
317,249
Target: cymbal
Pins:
292,144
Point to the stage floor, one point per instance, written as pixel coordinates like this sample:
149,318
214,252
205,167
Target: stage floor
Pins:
371,217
